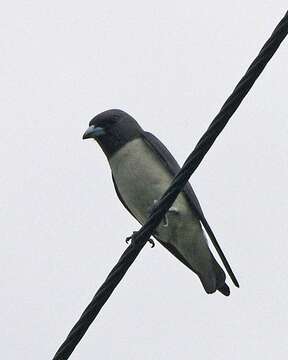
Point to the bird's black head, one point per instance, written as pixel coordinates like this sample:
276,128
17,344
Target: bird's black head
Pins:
112,129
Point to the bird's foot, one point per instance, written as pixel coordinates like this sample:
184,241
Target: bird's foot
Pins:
130,238
151,209
172,210
152,243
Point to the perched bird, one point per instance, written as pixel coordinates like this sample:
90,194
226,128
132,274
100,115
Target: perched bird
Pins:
142,169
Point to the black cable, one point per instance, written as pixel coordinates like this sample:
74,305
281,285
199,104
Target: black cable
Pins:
140,238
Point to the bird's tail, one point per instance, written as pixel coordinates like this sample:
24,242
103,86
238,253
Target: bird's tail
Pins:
213,278
224,289
220,279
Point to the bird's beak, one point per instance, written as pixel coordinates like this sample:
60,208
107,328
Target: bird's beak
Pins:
93,132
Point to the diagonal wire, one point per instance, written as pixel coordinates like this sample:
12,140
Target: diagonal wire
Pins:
190,165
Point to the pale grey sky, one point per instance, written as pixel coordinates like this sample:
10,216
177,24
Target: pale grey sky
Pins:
171,66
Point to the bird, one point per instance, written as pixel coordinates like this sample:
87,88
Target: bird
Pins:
142,169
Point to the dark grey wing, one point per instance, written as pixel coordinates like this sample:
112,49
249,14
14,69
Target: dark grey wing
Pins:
173,167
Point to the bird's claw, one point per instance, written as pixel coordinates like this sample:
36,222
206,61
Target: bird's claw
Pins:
151,242
172,210
127,240
130,238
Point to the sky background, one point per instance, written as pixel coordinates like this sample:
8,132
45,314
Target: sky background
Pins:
171,66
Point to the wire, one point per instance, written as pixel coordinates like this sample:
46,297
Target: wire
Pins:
140,238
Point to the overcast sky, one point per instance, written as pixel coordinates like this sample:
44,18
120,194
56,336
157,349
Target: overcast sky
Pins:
171,66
